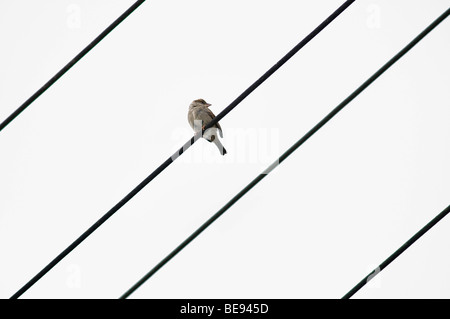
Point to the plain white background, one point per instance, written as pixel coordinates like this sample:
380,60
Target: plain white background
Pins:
333,211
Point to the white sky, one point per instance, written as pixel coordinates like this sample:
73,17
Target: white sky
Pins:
313,228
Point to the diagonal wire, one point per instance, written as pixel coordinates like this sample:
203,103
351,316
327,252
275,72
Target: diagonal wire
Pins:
69,65
169,161
284,156
397,253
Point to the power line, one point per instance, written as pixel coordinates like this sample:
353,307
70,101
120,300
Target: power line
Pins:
285,155
169,161
69,65
397,253
283,60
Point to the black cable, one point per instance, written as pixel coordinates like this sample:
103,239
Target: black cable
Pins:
397,253
377,270
284,156
289,55
169,161
69,65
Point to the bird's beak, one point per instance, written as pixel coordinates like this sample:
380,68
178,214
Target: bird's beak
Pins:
208,105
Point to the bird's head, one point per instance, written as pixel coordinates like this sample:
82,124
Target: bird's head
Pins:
199,103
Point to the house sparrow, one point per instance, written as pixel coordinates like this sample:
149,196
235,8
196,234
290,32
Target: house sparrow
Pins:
199,116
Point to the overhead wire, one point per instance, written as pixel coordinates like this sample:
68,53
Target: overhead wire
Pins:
396,254
70,64
167,162
286,154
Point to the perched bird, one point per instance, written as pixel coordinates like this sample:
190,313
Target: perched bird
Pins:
199,116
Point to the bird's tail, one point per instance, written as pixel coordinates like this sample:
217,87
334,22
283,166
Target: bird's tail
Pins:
211,136
219,145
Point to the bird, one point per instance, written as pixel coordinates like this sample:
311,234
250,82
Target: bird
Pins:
199,115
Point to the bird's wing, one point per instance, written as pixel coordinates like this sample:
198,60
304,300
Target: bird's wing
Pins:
211,115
